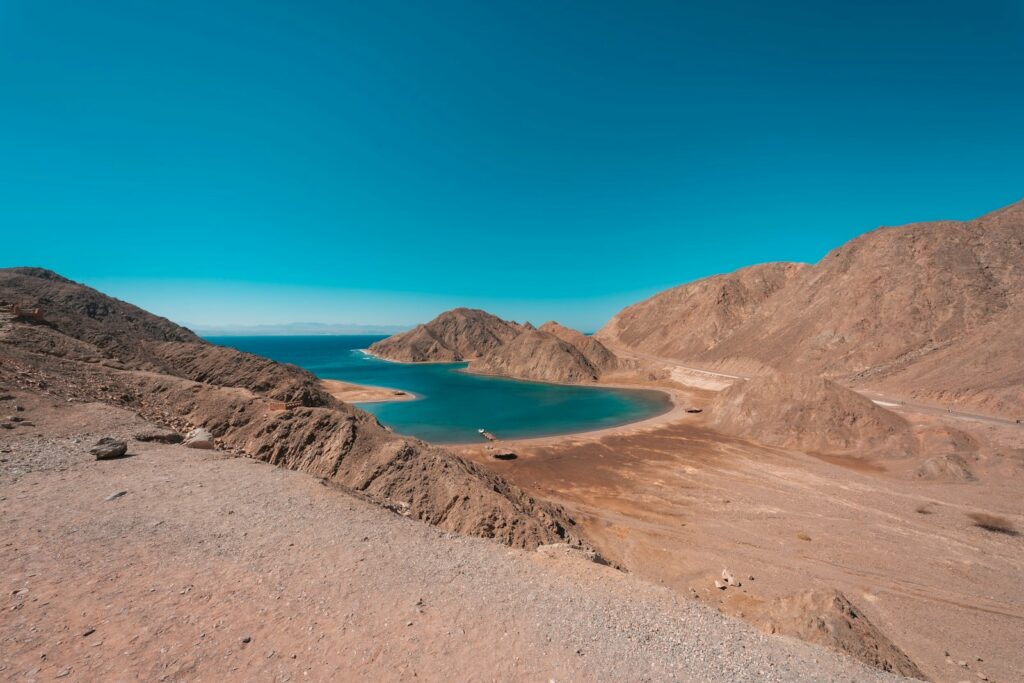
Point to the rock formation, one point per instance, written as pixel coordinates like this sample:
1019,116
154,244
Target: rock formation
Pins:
810,414
455,335
933,310
90,346
596,353
538,356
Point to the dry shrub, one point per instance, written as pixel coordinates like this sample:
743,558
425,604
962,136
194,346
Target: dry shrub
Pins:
998,525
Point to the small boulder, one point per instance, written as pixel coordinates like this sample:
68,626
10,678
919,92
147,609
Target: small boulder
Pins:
199,438
159,436
108,448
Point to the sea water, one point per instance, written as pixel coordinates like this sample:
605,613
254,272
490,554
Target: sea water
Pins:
452,405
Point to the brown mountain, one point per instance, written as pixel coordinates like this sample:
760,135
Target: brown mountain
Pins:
455,335
596,353
540,356
93,347
933,310
689,320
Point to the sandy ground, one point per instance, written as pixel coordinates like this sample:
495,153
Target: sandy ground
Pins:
678,503
359,393
214,568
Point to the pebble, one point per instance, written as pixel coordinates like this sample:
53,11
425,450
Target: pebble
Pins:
88,632
116,495
246,639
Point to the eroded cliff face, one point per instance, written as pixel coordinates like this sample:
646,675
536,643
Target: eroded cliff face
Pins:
456,335
254,407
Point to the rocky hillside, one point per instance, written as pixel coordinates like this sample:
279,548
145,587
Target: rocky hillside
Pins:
90,346
931,310
538,356
596,353
690,320
810,414
456,335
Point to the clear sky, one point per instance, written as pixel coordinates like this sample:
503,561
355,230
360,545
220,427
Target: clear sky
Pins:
377,162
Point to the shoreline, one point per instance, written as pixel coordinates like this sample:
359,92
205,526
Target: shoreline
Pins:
678,401
371,354
349,392
677,406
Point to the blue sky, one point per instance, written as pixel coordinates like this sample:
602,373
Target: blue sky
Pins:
378,162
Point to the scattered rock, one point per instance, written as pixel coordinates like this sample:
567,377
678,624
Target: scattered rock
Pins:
108,448
15,418
6,425
115,496
729,578
246,639
721,585
504,455
88,632
19,409
159,436
199,438
63,673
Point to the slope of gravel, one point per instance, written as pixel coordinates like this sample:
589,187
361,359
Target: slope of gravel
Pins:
215,568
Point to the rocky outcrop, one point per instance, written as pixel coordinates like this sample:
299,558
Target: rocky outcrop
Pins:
123,356
456,335
810,414
109,448
540,356
930,310
596,353
828,618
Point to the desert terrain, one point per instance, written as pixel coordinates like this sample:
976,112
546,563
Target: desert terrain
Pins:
174,564
677,502
842,470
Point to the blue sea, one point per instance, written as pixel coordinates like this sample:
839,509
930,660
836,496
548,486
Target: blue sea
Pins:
452,405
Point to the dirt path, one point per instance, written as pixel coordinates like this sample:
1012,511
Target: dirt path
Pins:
227,569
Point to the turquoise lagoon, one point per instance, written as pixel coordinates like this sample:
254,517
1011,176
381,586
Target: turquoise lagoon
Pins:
451,405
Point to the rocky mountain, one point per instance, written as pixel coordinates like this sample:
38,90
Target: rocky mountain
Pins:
810,414
455,335
690,320
539,356
596,353
92,347
929,310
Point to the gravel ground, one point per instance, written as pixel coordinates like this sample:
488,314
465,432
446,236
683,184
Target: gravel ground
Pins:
213,568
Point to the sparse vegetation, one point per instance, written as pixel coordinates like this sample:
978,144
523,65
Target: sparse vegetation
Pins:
993,523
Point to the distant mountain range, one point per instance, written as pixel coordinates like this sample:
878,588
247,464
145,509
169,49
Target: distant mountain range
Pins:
283,329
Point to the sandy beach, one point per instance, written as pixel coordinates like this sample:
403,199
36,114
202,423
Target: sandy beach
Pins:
358,393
